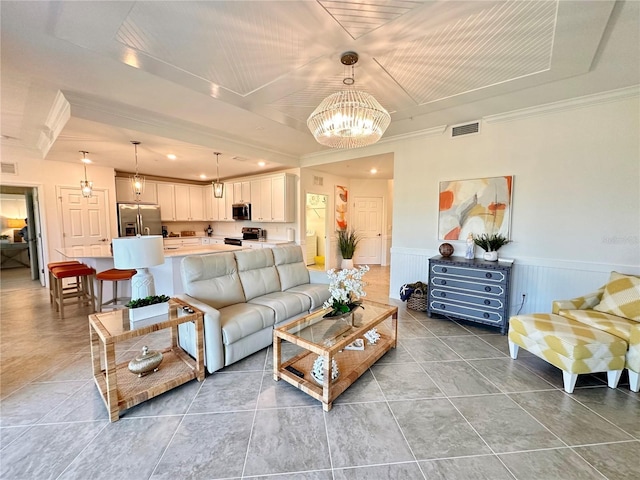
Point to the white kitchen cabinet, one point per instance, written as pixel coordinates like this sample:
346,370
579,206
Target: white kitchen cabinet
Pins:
252,245
210,204
189,202
225,213
124,192
242,192
167,202
273,198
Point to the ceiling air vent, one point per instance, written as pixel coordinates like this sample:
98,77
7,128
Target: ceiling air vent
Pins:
318,180
465,129
9,168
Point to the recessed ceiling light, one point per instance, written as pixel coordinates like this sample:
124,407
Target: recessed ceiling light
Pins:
171,156
203,176
374,171
262,163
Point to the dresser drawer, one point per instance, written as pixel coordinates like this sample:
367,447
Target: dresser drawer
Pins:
468,285
471,273
466,312
466,298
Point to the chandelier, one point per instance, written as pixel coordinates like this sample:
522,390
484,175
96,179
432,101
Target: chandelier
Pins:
350,118
137,181
218,187
86,185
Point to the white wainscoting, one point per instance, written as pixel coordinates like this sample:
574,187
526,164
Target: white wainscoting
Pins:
541,280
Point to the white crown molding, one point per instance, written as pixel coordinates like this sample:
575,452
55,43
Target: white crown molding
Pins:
574,103
59,115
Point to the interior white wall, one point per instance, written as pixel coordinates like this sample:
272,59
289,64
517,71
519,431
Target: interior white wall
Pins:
575,190
47,175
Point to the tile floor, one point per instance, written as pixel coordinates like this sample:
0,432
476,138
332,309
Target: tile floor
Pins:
448,403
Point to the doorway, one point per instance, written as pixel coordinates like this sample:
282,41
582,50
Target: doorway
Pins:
316,230
367,221
22,242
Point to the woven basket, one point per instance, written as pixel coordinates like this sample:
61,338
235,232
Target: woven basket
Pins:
417,301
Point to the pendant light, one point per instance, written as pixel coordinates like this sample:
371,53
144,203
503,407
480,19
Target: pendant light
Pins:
218,187
350,118
86,185
137,181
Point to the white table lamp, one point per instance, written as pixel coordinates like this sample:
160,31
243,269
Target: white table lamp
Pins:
140,252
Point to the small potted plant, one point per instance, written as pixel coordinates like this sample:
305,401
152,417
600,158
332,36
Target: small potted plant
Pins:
348,241
4,238
490,243
146,307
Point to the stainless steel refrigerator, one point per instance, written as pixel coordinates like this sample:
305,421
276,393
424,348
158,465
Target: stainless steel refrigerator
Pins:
136,218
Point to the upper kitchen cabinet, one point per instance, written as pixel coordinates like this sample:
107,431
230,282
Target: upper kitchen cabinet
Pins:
124,192
167,202
210,204
189,202
273,198
242,192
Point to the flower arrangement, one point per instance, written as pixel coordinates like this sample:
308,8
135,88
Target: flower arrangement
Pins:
346,288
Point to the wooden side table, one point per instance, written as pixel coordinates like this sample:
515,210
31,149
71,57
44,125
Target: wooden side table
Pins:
120,389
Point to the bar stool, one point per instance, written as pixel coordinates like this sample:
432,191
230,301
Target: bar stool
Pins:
52,282
84,287
112,275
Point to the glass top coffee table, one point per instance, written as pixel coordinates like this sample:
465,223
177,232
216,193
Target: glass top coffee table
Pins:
327,337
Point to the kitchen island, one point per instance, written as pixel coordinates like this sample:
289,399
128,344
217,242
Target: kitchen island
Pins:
166,276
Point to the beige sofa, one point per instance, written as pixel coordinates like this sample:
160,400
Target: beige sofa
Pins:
244,295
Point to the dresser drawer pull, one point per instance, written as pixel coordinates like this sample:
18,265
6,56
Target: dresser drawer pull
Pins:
488,275
444,269
485,315
443,282
443,306
487,289
487,302
443,294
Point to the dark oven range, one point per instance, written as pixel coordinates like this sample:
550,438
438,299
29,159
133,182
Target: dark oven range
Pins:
248,233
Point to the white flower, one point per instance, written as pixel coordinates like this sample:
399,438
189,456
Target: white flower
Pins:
346,286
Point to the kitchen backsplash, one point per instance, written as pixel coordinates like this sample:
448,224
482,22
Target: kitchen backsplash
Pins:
275,231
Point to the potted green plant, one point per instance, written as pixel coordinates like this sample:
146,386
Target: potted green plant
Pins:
348,241
491,243
4,238
147,307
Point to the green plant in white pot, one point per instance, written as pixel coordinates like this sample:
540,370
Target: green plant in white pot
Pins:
491,243
348,241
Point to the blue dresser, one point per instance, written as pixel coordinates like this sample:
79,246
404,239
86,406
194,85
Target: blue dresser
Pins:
474,290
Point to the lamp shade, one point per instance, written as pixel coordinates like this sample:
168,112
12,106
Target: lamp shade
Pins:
138,252
15,223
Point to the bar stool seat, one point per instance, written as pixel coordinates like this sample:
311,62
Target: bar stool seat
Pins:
83,290
52,282
112,275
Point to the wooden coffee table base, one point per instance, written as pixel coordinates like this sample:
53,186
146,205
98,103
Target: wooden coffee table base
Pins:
351,363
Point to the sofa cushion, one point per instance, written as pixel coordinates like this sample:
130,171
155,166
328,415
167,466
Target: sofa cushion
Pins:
621,297
318,293
257,272
618,326
243,319
285,305
212,279
290,265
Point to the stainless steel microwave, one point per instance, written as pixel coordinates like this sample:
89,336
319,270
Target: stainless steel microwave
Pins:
241,211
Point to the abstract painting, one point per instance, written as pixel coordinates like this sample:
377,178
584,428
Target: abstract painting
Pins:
342,196
481,205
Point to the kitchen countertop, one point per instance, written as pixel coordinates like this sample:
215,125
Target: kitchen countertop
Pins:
104,251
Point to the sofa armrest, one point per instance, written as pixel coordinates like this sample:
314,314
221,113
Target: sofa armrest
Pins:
579,303
317,276
213,346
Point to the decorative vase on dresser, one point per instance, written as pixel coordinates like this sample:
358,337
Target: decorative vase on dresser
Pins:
470,289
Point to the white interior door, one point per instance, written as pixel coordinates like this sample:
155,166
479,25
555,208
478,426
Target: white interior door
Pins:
84,220
367,221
